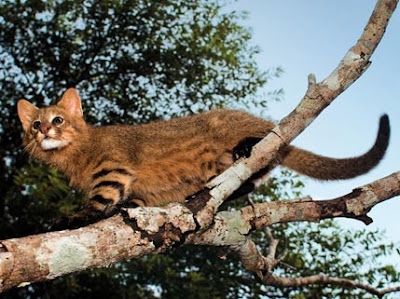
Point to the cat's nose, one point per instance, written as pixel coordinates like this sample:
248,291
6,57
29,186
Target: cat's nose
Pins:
44,128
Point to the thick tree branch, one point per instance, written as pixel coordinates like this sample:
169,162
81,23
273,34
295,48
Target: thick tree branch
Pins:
46,256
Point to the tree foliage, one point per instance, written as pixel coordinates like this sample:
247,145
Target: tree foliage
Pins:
134,61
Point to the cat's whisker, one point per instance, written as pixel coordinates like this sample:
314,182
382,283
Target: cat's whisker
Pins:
33,150
30,148
26,148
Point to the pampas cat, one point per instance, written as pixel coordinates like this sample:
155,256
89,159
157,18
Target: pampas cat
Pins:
164,161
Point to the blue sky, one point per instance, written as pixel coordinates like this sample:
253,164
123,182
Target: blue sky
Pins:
312,36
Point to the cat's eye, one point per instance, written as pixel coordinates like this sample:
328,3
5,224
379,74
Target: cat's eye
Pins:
57,120
36,125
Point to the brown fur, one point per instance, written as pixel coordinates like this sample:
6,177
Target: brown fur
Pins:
164,161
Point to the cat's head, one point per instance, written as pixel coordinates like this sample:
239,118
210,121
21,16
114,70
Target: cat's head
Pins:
51,128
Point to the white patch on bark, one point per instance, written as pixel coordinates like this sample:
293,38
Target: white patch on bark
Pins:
65,255
351,58
332,81
277,214
152,218
357,206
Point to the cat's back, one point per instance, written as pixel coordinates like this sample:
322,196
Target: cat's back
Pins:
214,124
202,123
152,140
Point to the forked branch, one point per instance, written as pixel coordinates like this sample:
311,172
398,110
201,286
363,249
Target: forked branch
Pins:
267,277
235,233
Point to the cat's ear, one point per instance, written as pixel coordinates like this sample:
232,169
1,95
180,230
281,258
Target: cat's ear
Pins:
71,102
26,112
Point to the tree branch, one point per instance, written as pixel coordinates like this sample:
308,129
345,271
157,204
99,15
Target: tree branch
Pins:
322,279
267,277
354,205
234,233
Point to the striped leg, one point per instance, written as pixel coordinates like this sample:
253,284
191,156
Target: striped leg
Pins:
110,191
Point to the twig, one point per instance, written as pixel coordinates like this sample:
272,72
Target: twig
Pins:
322,279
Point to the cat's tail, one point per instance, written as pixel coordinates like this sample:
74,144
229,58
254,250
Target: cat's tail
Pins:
325,168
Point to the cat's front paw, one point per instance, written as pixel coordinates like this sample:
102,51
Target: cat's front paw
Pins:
72,222
244,147
60,224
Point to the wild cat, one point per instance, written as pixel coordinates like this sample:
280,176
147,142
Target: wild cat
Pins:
163,161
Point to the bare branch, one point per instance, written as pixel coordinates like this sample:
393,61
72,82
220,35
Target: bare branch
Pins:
322,279
354,205
270,262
